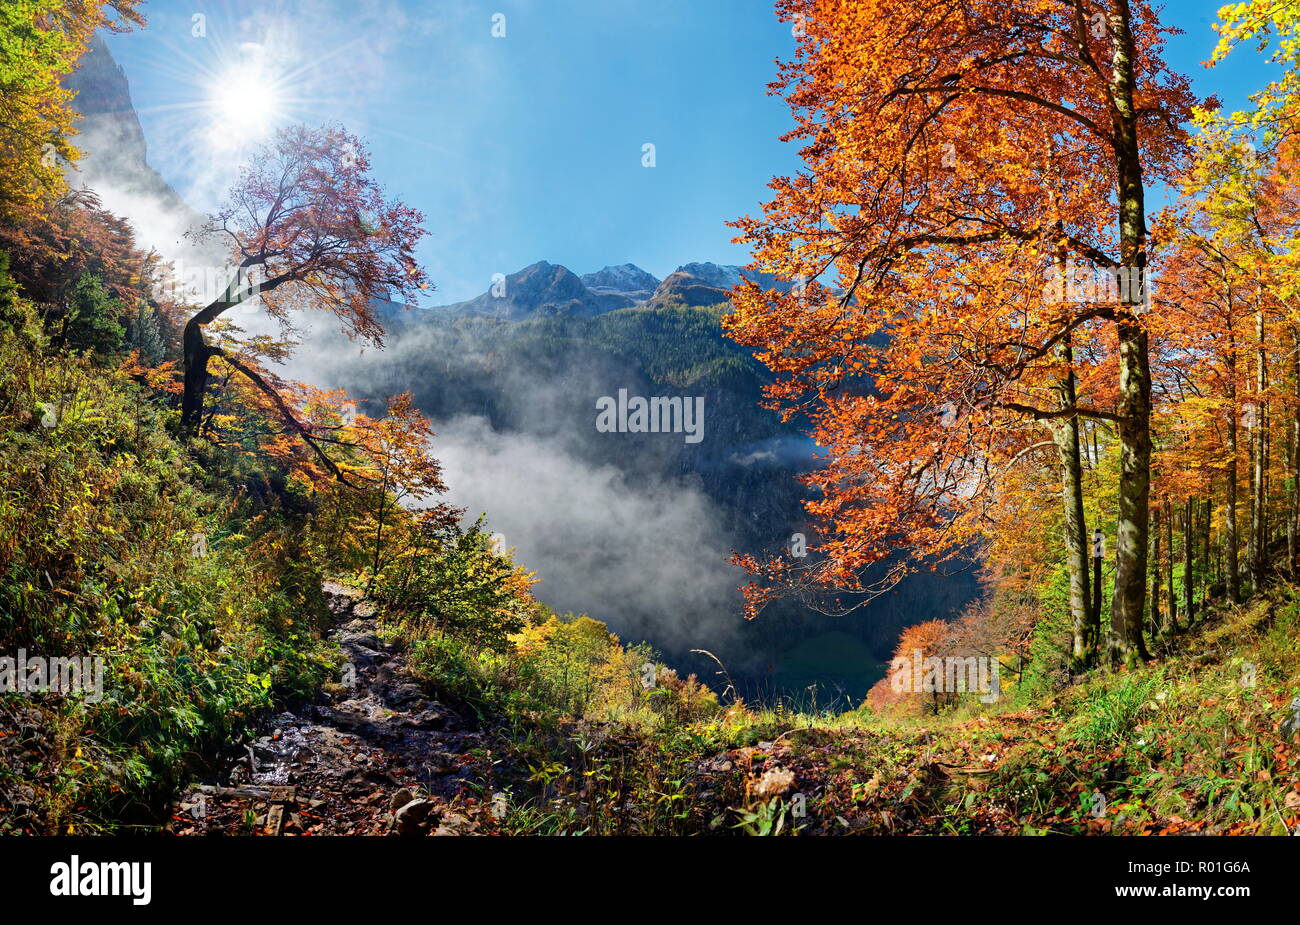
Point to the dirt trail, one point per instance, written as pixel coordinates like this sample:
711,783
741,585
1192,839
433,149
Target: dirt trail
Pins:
373,756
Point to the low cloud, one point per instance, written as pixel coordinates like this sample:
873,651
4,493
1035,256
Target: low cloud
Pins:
644,555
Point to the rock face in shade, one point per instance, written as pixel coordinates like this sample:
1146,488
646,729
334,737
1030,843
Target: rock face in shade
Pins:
707,284
114,160
104,99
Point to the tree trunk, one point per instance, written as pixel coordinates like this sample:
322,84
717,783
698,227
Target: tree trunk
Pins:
1189,560
1265,537
1126,643
1293,460
1208,557
379,541
1134,496
1065,431
196,356
1155,573
1231,541
1172,627
195,349
1257,469
1094,618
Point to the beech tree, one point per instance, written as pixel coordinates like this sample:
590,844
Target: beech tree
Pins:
397,465
955,150
308,228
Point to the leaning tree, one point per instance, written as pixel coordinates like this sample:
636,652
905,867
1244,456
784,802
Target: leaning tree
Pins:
307,227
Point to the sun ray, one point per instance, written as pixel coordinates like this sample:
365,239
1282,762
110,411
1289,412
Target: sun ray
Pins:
246,99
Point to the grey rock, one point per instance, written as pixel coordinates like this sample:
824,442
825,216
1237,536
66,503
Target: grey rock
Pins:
453,824
410,818
1291,725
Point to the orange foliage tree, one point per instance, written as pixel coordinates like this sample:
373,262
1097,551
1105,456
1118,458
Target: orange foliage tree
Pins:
956,152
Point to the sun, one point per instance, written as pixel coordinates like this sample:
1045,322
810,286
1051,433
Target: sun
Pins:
244,97
245,101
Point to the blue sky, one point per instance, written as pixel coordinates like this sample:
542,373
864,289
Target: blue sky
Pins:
520,148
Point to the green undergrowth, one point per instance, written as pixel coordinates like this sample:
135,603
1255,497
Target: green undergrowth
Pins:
1185,744
116,545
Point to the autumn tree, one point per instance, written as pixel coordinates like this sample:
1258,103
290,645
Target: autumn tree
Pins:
1204,418
42,41
307,227
455,580
77,237
1228,274
1270,122
1272,27
954,152
1211,301
901,684
397,465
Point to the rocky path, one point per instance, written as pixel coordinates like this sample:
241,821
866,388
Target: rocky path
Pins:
374,755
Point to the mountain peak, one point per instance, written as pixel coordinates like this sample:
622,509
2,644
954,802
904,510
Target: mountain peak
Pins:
626,277
544,288
720,276
541,288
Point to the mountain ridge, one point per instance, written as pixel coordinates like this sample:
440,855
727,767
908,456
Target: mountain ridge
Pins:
545,289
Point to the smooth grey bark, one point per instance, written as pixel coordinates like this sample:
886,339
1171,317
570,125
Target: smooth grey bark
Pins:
1126,644
1258,468
1065,432
1172,626
1293,459
1231,541
1207,562
1155,624
1189,560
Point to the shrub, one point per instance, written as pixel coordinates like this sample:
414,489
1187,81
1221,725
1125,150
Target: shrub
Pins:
455,582
99,508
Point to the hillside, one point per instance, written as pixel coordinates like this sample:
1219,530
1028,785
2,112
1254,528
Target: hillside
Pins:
971,508
1201,741
529,358
534,384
